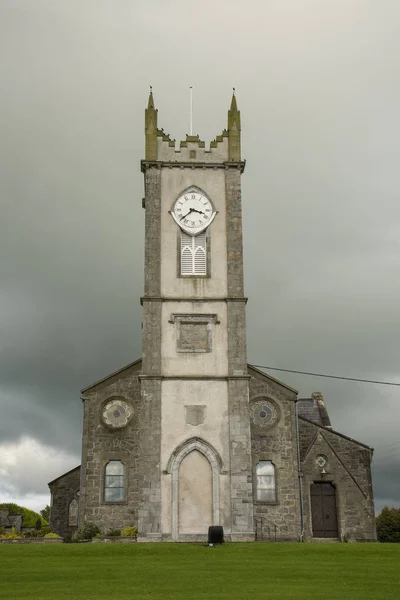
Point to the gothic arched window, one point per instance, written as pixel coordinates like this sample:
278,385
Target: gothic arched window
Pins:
265,480
114,481
193,254
73,513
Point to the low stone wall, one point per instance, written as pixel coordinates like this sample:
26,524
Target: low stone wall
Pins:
32,541
118,539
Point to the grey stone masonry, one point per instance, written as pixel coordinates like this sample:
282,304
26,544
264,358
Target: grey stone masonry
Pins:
152,249
151,337
104,443
238,386
8,522
348,468
149,500
63,490
13,522
240,460
149,521
236,321
234,231
278,520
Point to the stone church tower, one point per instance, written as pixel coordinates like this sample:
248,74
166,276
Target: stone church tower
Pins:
195,434
190,435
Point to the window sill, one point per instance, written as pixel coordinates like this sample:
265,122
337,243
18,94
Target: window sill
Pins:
194,276
266,503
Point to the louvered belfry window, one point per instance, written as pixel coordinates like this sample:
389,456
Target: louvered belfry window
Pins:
193,254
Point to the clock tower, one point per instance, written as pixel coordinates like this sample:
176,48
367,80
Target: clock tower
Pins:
195,451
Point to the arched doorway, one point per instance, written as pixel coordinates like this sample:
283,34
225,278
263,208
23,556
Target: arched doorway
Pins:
195,467
195,494
323,510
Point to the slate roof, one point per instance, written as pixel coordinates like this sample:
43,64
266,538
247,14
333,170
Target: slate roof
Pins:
64,474
314,409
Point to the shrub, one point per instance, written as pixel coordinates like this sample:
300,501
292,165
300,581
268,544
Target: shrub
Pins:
113,533
45,530
129,531
388,525
32,533
10,535
51,534
87,532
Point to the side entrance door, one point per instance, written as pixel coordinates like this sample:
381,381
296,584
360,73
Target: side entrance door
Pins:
323,510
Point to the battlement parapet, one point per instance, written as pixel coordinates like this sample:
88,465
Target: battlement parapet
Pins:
161,147
192,149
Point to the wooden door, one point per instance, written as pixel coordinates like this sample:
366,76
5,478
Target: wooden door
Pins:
323,510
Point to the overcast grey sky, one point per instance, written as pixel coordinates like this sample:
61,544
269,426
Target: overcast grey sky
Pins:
318,86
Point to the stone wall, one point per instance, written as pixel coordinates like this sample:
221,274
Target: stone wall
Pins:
33,541
102,443
148,468
63,490
147,442
348,468
279,520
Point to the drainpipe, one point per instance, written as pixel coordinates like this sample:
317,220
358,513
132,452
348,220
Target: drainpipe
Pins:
81,473
300,473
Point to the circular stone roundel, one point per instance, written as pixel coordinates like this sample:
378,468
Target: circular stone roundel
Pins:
117,413
264,414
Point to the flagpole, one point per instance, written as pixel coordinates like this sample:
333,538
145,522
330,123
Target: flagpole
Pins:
191,111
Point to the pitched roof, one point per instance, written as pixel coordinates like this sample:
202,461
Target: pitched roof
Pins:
270,378
138,361
64,474
342,435
92,385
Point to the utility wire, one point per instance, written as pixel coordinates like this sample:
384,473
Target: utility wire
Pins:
385,446
384,457
328,376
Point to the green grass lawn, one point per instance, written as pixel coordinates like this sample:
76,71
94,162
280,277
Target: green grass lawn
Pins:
192,571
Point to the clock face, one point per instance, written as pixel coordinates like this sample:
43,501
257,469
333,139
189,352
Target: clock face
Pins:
193,211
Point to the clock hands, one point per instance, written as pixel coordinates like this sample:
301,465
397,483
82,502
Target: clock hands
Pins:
187,214
190,211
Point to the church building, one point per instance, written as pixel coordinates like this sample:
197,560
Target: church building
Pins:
190,435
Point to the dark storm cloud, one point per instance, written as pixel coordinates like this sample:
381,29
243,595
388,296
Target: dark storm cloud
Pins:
318,90
386,474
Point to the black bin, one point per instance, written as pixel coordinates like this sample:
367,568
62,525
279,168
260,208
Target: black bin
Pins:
216,534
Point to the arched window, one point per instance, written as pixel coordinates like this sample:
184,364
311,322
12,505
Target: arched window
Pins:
114,484
193,254
73,513
265,478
